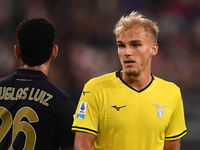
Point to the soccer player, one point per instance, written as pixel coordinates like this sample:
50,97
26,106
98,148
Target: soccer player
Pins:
130,109
34,114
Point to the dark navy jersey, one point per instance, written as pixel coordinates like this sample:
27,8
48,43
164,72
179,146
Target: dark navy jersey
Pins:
34,114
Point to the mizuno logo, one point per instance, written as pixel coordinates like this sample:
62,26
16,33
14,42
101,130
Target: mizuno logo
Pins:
160,109
85,92
118,107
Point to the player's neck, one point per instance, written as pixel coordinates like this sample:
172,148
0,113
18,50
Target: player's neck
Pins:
44,67
138,83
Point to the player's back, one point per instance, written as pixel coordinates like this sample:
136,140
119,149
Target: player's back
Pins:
33,112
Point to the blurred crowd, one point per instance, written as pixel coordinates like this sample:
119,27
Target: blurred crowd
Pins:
87,45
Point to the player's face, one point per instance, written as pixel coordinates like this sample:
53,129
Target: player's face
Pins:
135,49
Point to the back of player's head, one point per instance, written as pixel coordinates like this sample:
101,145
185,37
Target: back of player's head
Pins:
35,38
135,19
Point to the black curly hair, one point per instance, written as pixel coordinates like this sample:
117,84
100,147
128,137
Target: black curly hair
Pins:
35,38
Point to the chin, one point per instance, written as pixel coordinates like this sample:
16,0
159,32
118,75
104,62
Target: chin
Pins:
130,72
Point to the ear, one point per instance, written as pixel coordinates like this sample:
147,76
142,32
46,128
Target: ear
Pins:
154,50
54,52
17,51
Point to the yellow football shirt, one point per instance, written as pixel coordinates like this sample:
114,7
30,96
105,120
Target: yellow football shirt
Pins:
123,118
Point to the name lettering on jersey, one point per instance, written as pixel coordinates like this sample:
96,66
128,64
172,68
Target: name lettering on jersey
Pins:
23,79
85,92
115,106
38,95
82,110
160,109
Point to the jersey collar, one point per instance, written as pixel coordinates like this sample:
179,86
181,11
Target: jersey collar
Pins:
31,73
118,76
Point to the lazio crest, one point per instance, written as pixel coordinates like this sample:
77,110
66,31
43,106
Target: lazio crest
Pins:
160,109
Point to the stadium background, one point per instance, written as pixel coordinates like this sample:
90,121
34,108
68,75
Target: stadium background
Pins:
87,45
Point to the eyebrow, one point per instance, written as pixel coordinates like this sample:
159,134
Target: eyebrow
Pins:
133,41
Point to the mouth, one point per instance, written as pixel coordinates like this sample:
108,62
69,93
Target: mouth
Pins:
129,62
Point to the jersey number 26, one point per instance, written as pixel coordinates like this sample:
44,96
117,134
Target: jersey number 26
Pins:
19,125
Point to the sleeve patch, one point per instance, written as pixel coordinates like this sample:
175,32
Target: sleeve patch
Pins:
82,110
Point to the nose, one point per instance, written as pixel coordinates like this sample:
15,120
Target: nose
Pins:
127,50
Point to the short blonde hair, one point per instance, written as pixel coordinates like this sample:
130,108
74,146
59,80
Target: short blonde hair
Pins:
136,19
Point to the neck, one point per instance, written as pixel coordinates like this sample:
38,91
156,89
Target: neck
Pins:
138,83
44,67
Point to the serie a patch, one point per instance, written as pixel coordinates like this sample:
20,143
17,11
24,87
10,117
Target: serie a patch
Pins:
82,110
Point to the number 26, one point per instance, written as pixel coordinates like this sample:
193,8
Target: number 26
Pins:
19,125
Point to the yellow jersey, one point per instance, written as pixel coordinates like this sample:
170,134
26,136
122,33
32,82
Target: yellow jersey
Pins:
123,118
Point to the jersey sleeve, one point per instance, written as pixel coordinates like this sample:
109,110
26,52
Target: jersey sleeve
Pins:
176,128
86,116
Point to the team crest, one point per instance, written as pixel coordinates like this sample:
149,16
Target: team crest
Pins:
82,110
160,109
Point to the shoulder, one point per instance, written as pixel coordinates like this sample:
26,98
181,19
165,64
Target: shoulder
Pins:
102,80
6,78
166,84
60,100
58,92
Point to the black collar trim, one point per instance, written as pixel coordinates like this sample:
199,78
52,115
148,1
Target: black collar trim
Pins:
118,76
